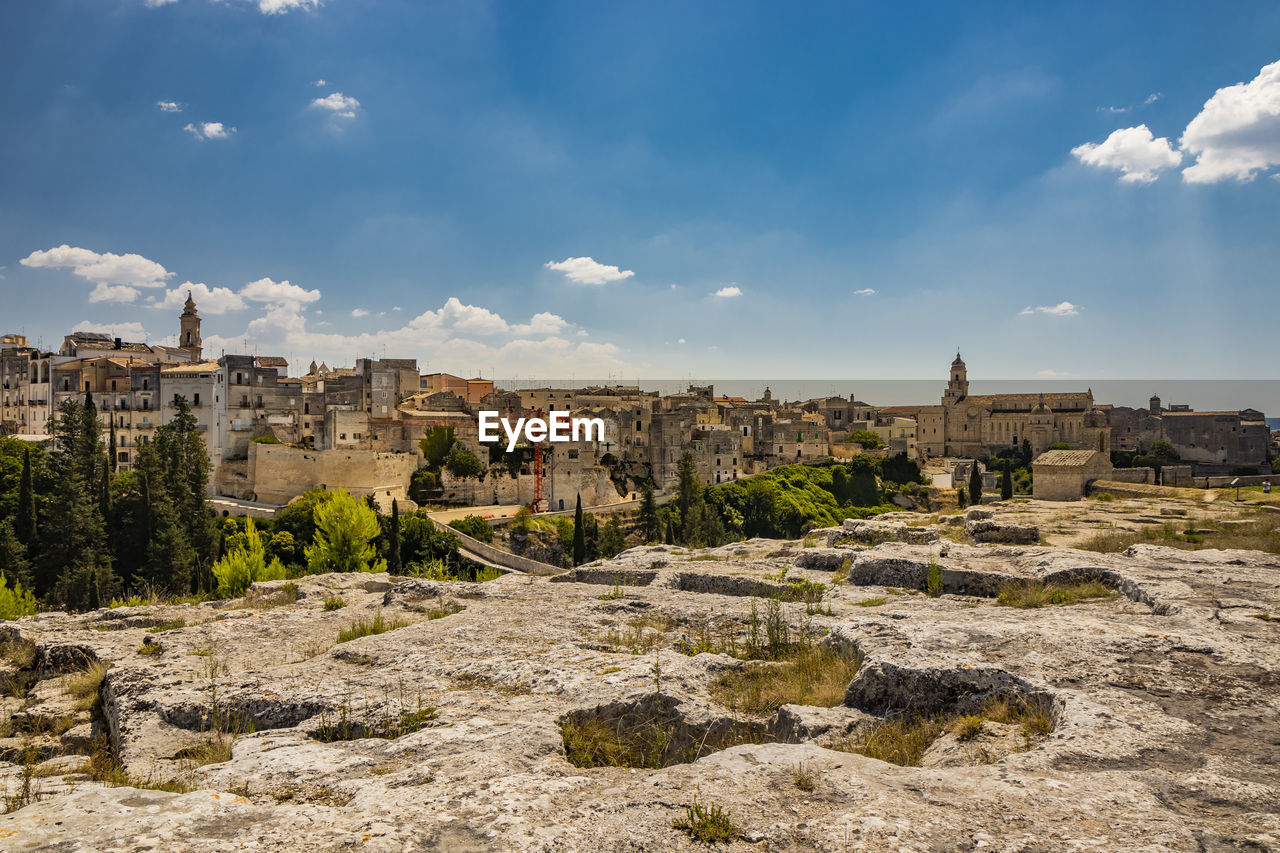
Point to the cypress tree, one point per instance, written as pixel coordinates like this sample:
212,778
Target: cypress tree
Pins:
26,529
393,547
95,596
687,486
975,484
112,454
961,498
671,531
649,523
579,535
1006,482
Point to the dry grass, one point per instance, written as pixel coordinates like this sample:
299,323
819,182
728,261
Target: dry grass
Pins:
84,686
966,727
1027,594
368,627
708,825
812,675
171,625
643,741
804,777
1262,533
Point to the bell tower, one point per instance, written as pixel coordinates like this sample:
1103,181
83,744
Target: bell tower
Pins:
189,329
958,383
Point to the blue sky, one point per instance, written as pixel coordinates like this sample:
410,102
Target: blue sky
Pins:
674,189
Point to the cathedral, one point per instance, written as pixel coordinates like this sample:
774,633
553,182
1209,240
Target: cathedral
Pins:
970,426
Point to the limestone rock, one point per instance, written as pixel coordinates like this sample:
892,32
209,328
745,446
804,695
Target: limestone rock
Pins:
987,530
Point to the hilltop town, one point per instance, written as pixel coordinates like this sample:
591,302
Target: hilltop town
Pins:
271,436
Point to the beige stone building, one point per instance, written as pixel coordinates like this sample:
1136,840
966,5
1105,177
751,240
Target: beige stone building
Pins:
1065,475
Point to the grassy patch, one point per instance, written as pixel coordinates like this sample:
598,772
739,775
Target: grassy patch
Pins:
286,594
645,740
345,726
1261,533
333,602
151,649
966,727
1027,594
810,675
804,777
708,825
171,625
870,602
84,686
368,627
1265,617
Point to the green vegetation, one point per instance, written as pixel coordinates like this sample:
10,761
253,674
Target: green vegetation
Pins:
384,724
333,602
462,463
84,686
269,438
474,526
804,777
646,738
344,530
1261,533
870,602
868,439
708,825
15,601
1033,593
246,564
171,625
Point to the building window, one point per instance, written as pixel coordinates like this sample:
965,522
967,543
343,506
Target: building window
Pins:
146,404
342,436
146,385
195,399
306,408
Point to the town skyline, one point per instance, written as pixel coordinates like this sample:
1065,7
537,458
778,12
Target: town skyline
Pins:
429,185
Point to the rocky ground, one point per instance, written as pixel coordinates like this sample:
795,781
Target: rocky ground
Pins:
267,731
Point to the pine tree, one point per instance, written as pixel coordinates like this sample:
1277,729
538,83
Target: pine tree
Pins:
647,519
975,484
95,596
26,529
112,454
1006,482
961,498
579,535
687,487
393,546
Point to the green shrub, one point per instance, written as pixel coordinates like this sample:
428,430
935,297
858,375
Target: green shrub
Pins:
708,825
345,528
474,526
15,602
246,565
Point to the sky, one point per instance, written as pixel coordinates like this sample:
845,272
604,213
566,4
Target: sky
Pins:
659,190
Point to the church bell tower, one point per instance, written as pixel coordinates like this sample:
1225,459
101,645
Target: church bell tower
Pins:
189,329
958,384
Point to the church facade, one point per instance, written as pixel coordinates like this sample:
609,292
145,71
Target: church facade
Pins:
970,426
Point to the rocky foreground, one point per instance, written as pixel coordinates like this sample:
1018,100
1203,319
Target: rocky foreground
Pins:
1163,700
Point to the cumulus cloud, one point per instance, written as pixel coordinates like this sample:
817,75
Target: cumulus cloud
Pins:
359,312
169,106
866,291
280,293
1113,109
1062,309
209,300
131,330
319,83
728,292
453,333
279,7
117,278
1152,98
209,130
1237,133
1133,151
588,271
337,104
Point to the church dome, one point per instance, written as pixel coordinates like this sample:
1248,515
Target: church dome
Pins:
959,362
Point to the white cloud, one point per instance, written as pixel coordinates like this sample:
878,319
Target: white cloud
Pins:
680,341
1152,98
728,292
320,82
1237,133
1050,374
155,3
209,300
396,308
279,7
866,291
338,104
209,130
588,271
1113,109
169,106
116,278
1132,150
359,312
131,331
1062,309
279,293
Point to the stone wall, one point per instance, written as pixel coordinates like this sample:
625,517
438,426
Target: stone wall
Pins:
1133,475
278,474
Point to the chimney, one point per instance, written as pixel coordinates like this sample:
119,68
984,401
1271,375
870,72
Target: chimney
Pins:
117,343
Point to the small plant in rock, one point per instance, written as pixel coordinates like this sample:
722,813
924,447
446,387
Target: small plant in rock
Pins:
804,777
151,648
367,627
710,825
933,579
84,686
333,602
966,727
1029,594
616,591
870,602
172,625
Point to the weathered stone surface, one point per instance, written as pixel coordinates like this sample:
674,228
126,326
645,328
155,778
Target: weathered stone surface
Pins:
987,530
1167,700
873,532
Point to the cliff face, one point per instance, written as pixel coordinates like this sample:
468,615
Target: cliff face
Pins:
493,716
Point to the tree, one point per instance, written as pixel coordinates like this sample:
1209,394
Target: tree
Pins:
579,535
868,439
15,602
186,473
613,541
975,484
1164,450
462,463
26,527
1006,482
474,526
345,529
1059,445
961,498
647,517
13,554
245,564
840,483
393,545
862,487
759,508
901,468
423,482
436,444
298,517
687,485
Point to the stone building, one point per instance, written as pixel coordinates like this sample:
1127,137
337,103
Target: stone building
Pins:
1065,475
1215,441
